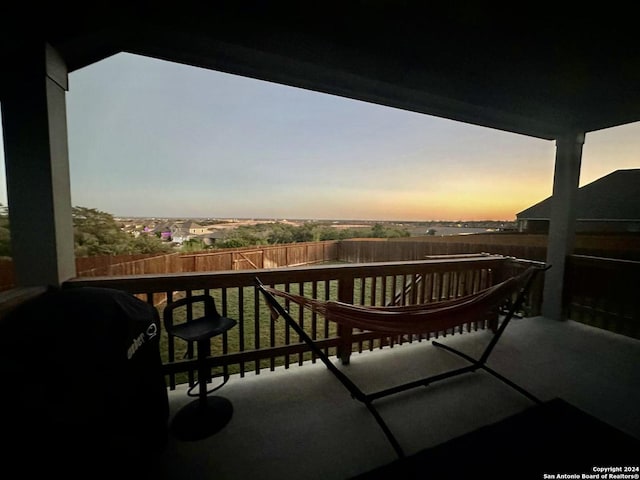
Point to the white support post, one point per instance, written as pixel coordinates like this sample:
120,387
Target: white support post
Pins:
37,167
562,220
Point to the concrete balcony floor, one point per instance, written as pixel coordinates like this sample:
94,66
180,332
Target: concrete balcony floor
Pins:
301,423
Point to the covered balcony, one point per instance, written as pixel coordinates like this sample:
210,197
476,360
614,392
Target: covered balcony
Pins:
576,75
292,418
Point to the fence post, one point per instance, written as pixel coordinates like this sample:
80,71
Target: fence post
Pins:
345,334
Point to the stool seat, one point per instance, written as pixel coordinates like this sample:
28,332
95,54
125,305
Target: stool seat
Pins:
202,328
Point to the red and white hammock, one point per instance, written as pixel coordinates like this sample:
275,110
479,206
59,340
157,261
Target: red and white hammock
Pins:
413,319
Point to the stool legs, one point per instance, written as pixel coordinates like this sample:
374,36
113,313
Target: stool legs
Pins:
206,415
204,372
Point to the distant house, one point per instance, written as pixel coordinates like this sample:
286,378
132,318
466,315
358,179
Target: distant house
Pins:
609,204
163,230
184,231
212,237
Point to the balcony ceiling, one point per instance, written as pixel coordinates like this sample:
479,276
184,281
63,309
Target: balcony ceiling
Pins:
536,71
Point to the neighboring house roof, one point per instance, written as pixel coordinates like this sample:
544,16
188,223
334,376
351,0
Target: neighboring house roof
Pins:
184,226
162,227
615,197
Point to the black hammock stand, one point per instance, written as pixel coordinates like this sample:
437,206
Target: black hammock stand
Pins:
413,319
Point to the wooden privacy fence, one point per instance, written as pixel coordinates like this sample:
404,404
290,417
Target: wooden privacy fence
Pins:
530,246
366,250
274,256
109,265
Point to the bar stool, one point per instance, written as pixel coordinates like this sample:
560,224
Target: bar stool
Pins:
208,414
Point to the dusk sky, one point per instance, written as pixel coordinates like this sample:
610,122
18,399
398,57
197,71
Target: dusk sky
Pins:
153,138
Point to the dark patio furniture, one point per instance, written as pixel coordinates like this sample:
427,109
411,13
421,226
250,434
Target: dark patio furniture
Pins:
208,414
86,384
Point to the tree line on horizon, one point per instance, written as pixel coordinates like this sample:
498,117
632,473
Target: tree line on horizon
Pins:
279,233
98,233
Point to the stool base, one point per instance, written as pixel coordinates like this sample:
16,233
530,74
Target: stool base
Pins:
198,420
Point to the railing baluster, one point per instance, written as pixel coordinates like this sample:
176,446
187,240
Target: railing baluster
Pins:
301,322
256,329
272,338
428,287
421,289
451,282
225,335
327,296
171,348
189,354
361,283
394,288
383,291
414,288
287,329
372,301
403,299
314,318
373,291
241,324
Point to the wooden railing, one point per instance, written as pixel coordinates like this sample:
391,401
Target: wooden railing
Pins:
603,292
260,342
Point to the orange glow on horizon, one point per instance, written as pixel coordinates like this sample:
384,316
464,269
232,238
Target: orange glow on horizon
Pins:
471,199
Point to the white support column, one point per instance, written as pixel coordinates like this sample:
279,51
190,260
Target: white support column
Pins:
37,167
562,220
